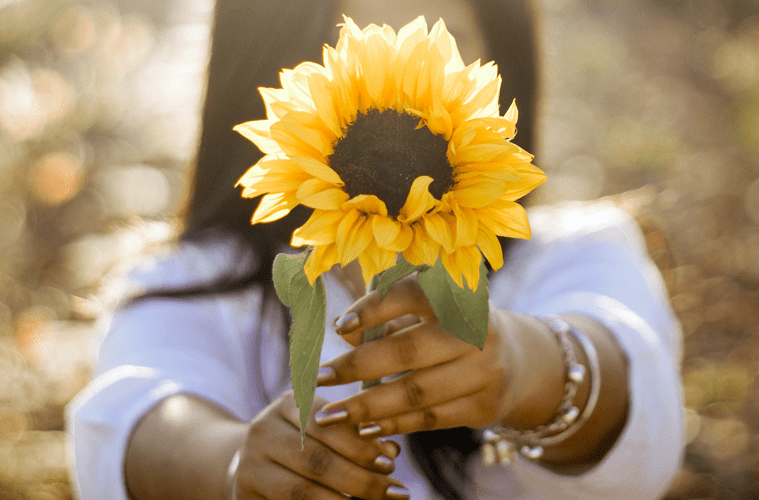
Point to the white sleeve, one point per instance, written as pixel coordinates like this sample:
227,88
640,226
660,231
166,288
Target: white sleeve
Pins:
155,349
595,263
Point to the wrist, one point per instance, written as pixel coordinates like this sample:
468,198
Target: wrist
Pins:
539,374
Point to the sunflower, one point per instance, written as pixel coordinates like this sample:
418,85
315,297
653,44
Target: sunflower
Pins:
398,147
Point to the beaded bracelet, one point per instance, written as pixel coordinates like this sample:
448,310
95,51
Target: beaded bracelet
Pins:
501,443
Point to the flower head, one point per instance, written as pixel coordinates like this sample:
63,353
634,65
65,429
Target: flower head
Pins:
398,147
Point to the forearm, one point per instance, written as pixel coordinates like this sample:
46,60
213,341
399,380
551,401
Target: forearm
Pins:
543,384
181,450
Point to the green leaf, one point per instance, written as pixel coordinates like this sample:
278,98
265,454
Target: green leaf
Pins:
284,270
401,269
460,311
308,306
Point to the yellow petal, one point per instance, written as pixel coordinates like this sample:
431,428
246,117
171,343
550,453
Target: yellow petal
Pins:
411,35
315,193
289,141
481,104
501,126
418,201
366,203
467,226
325,96
423,249
439,120
357,237
319,229
273,207
512,114
476,153
270,96
530,177
490,247
318,138
476,193
385,230
451,264
402,241
439,230
375,64
446,45
321,260
369,264
469,262
505,218
258,132
258,180
318,169
414,82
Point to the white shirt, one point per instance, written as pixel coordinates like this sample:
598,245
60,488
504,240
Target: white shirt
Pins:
581,259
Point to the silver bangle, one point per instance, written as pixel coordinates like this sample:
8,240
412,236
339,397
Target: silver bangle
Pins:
231,474
501,443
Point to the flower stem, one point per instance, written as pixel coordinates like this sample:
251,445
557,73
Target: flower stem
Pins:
374,333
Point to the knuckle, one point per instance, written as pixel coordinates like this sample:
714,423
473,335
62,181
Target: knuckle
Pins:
348,367
374,488
405,349
429,419
304,490
361,412
414,393
318,461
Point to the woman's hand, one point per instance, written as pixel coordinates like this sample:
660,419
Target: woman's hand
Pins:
333,460
182,447
447,382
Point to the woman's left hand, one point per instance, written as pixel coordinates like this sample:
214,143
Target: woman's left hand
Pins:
445,382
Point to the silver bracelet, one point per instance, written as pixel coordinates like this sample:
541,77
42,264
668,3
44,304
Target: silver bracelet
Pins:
501,443
231,473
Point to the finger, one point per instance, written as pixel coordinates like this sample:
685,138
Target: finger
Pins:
403,297
281,482
398,324
344,440
470,410
329,469
414,390
420,345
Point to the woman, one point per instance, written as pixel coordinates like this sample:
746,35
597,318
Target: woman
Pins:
189,401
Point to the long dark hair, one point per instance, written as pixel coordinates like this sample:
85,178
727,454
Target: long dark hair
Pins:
252,41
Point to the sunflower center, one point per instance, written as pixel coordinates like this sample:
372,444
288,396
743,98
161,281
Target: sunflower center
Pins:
382,152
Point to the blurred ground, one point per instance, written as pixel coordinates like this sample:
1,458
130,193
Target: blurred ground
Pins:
98,116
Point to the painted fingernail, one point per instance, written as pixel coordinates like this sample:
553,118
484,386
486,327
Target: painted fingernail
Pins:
369,430
325,375
347,322
384,464
397,493
331,416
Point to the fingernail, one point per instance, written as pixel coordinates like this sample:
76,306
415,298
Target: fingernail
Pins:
346,323
325,375
331,416
369,430
397,493
393,448
384,463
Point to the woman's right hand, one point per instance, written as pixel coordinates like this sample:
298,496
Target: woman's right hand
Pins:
333,461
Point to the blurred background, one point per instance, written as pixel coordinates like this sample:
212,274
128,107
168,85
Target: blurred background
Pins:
653,101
